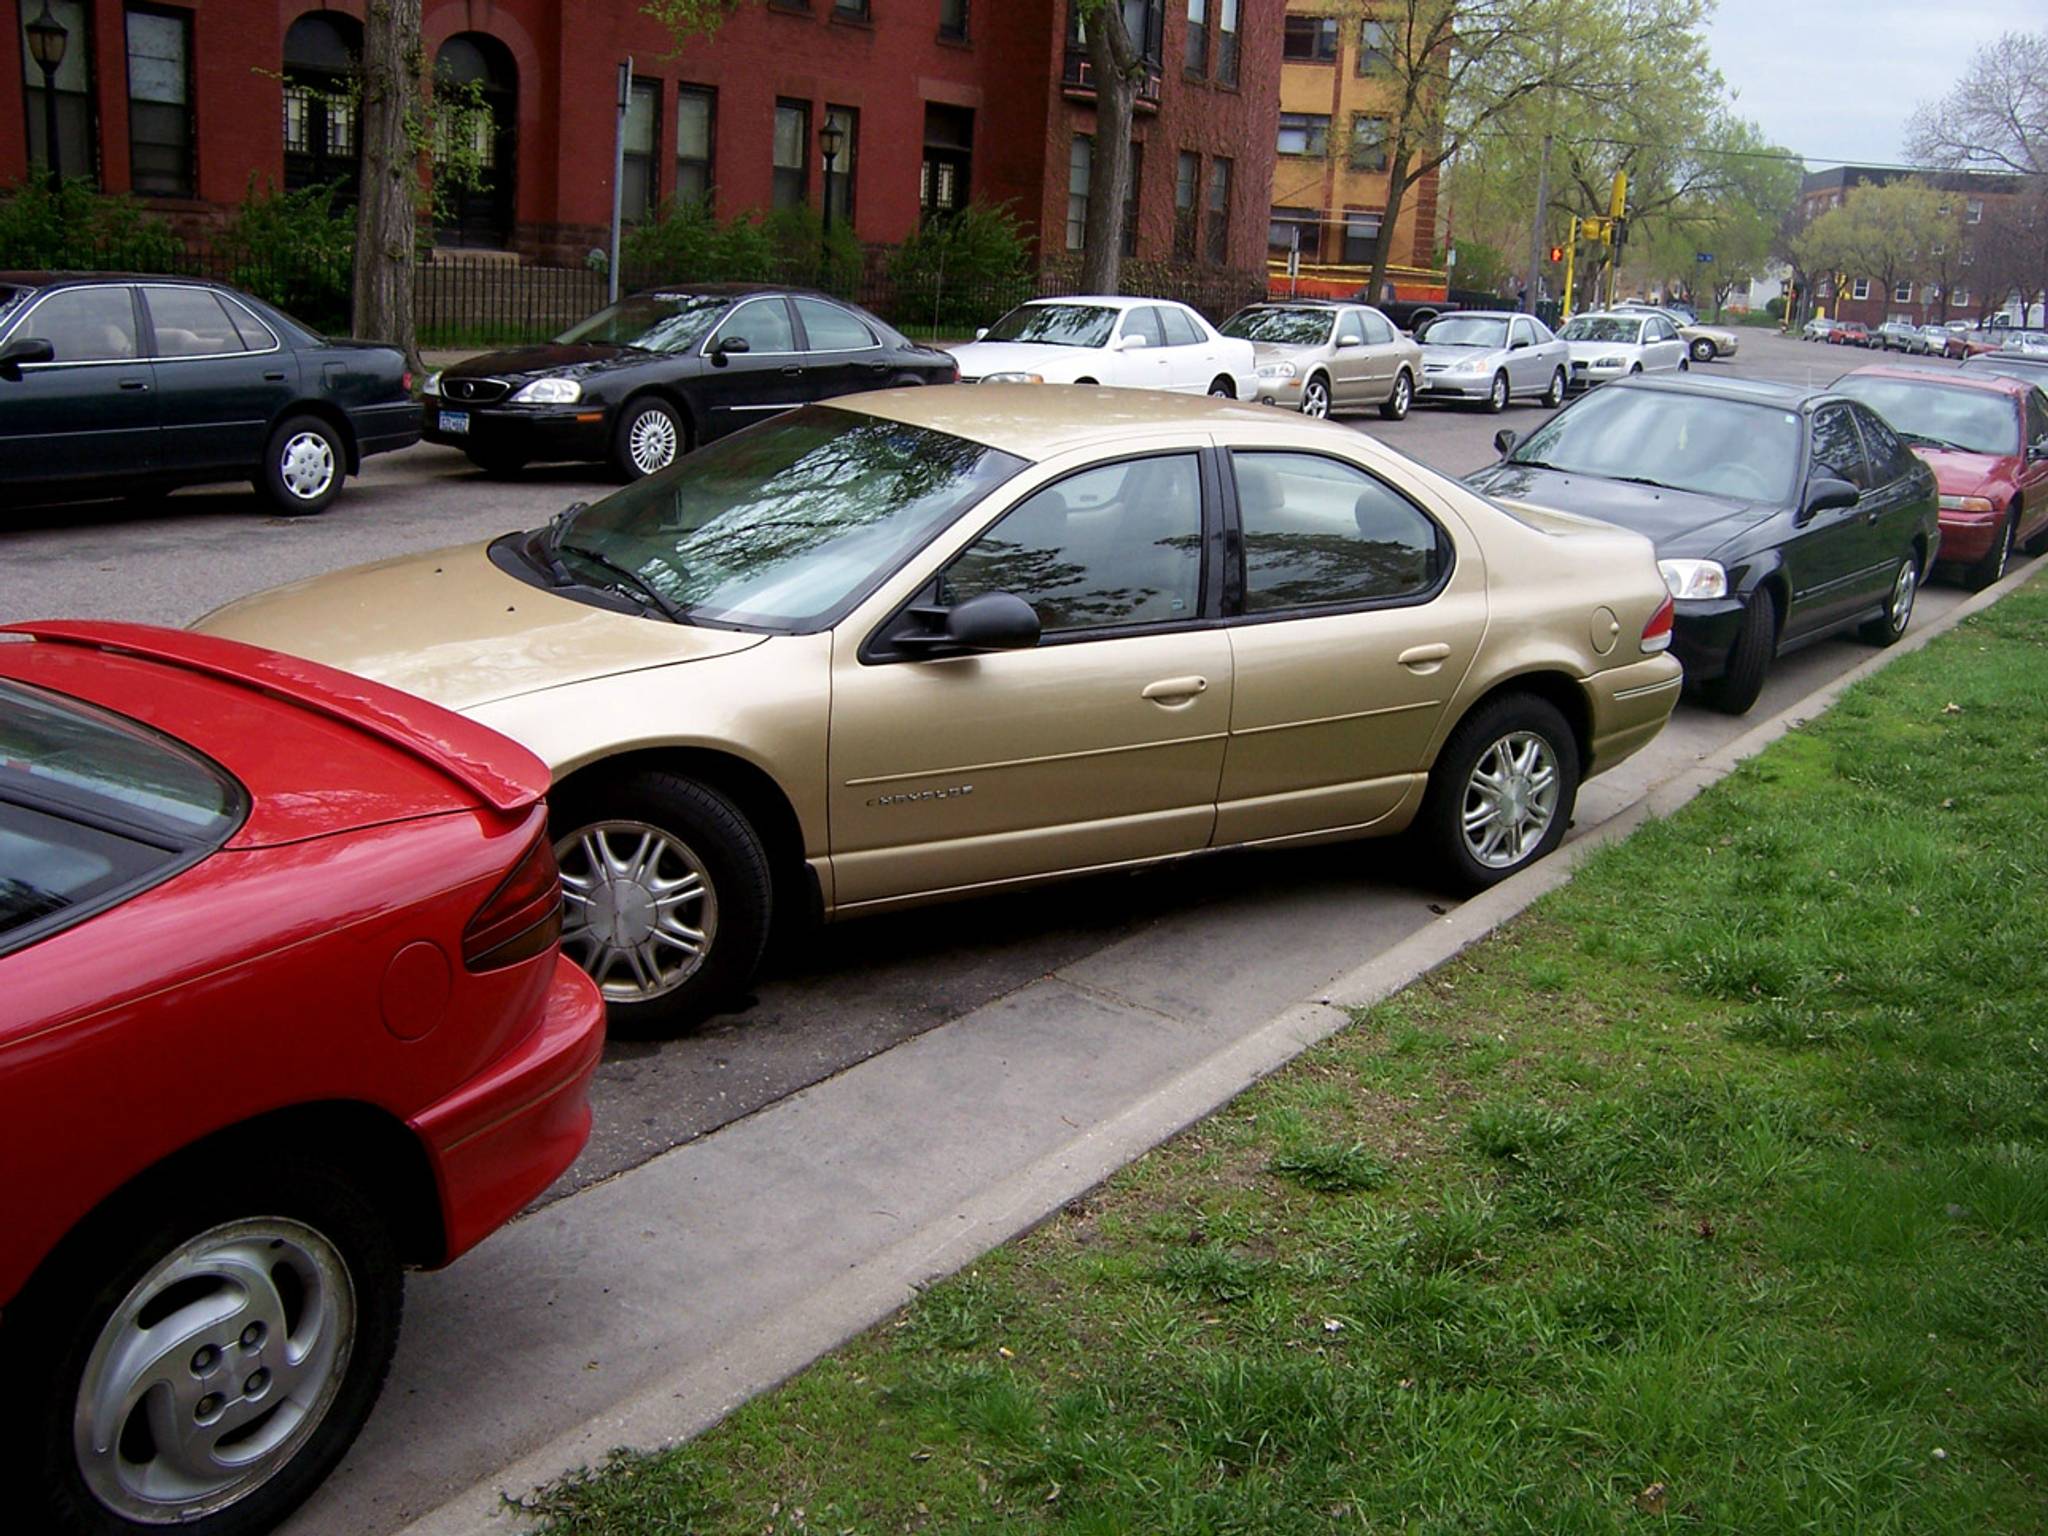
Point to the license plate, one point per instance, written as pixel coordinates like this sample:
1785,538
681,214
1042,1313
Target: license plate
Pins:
455,421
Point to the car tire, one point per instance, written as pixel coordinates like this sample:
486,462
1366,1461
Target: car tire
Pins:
1984,572
1397,405
1635,370
304,464
1685,364
1554,396
1222,388
633,843
265,1238
1702,350
1497,395
1315,397
2035,543
1500,732
1889,628
648,438
1749,659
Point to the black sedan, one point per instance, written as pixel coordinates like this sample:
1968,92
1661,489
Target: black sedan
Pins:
121,385
1780,515
654,375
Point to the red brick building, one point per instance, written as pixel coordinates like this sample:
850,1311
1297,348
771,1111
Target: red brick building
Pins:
938,101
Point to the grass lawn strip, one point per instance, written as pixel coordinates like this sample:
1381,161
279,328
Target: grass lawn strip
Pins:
1712,1194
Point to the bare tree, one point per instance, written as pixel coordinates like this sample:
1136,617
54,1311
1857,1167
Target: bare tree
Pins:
386,214
1996,116
1119,69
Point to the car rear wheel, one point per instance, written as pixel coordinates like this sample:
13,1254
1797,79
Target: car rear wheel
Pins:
1395,406
1501,794
1988,570
1315,396
1222,388
303,467
208,1354
1749,660
667,898
650,436
1497,394
1702,350
1554,396
1890,626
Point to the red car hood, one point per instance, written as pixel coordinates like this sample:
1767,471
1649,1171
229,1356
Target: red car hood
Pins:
1968,474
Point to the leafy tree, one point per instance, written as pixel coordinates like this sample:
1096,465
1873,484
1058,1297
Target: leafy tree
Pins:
2012,252
1887,233
1996,116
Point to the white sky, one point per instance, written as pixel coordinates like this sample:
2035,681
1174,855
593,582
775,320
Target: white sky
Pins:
1836,80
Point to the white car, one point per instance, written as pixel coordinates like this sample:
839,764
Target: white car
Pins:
1613,345
1133,343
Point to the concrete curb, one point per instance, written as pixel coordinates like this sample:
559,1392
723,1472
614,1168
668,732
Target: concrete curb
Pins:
700,1393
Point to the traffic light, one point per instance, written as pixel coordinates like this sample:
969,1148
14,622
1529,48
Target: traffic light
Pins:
1557,253
1620,233
1593,229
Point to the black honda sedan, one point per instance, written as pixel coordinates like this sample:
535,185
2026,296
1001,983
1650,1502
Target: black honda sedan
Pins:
116,385
1780,515
654,375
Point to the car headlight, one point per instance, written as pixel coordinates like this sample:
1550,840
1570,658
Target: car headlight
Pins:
431,385
1612,362
1966,504
1464,365
1694,578
1013,378
1276,370
549,392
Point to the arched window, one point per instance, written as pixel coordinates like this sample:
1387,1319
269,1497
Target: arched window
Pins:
483,215
321,52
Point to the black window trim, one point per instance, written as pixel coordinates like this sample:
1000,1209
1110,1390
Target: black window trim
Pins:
152,355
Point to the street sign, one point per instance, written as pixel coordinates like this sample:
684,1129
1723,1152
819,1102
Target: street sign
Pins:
1704,258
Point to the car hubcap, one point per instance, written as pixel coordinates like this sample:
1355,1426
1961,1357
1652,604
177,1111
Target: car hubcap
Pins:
1903,591
639,910
214,1370
1403,393
1315,400
1510,800
1219,389
307,465
1500,391
652,441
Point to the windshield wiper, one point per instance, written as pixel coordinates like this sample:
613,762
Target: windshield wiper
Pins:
1538,464
1645,480
1935,442
632,577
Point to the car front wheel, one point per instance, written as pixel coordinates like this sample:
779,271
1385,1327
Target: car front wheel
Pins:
1889,627
303,467
1749,660
650,436
1497,394
1315,396
1702,350
1501,794
1554,396
1988,570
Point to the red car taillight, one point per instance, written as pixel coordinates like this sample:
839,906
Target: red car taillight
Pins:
405,381
523,916
1657,633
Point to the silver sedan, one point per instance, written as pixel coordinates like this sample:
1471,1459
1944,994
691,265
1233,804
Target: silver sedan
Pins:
1493,356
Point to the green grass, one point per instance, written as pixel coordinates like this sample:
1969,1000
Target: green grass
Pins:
1710,1195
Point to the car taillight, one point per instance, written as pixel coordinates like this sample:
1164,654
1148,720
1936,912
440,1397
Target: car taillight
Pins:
405,381
1657,633
522,917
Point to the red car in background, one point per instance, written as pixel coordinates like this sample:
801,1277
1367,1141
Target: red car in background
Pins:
1849,333
1986,437
282,1010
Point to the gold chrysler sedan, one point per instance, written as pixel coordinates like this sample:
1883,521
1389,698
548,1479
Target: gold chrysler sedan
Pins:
932,642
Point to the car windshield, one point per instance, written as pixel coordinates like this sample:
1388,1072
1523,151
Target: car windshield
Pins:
1281,327
1056,325
653,322
1940,415
787,524
1686,441
1466,331
1601,328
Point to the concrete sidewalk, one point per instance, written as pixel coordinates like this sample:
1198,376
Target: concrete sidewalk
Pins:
642,1309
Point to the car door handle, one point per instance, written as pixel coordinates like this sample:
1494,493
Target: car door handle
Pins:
274,378
791,370
1424,658
135,383
1173,692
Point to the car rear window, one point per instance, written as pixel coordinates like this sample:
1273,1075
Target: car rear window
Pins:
93,809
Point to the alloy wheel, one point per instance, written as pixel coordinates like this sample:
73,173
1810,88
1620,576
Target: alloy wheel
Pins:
652,441
1899,612
1315,398
639,912
1404,394
306,466
1510,799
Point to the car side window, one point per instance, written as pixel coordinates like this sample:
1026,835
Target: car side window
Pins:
1379,330
1180,330
1144,321
764,323
256,336
1319,532
1118,544
1836,449
1890,459
86,325
828,328
1351,326
2037,420
1521,333
190,322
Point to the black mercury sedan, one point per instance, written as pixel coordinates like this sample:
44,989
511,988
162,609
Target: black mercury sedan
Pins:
655,375
122,385
1780,515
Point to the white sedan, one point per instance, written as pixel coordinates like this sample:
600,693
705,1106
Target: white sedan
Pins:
1613,346
1136,343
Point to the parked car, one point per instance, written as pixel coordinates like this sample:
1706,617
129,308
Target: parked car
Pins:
1816,329
926,643
1848,333
285,1013
1898,336
1986,437
2027,367
1606,347
123,386
1130,343
1318,357
1935,340
1780,515
1706,342
650,378
1492,355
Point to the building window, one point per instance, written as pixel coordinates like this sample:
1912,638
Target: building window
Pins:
1218,249
1861,290
851,10
1375,47
1305,133
1310,40
1187,192
696,116
1196,60
792,154
320,55
1226,42
1973,211
1289,224
77,148
160,102
1968,258
1959,298
1361,236
1131,201
953,20
1368,143
1902,293
944,180
1080,168
639,178
839,179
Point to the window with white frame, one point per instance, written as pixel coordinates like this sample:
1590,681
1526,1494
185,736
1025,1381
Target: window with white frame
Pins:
1304,133
1080,169
1861,290
696,109
1974,211
1902,293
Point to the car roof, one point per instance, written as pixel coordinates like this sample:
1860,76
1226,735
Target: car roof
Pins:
724,290
1486,314
1994,383
1794,397
1103,300
53,279
1307,302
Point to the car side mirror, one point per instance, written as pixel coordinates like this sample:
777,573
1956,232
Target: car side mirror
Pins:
992,621
1132,343
981,333
1516,346
1504,441
2037,451
1350,341
1826,492
29,349
729,344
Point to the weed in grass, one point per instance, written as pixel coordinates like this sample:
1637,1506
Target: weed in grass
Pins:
1212,1275
1331,1168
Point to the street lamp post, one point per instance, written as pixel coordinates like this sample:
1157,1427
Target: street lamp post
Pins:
46,42
830,137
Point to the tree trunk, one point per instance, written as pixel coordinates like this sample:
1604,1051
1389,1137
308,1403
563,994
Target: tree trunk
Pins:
386,232
1383,247
1118,71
